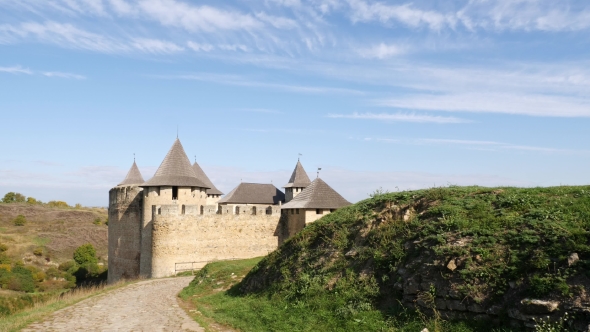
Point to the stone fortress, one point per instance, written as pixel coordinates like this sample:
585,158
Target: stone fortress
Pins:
177,220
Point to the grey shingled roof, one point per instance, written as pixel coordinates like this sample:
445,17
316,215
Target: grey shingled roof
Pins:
175,170
203,177
254,193
299,178
133,176
318,195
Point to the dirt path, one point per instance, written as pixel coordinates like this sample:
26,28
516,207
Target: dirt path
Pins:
144,306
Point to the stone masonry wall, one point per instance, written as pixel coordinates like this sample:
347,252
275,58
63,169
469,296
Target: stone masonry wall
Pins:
192,237
124,248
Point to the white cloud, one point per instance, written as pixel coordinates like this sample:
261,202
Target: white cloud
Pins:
16,70
363,11
242,81
277,22
382,51
197,18
494,102
64,35
200,47
156,46
401,117
233,47
64,75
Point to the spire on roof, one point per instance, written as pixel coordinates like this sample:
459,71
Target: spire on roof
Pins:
175,170
205,179
133,176
318,195
299,178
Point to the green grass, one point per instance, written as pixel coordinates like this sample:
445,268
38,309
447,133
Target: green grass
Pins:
41,241
339,273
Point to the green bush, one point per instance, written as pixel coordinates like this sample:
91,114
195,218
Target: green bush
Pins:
58,204
38,251
21,280
20,220
3,247
85,254
67,266
97,221
31,200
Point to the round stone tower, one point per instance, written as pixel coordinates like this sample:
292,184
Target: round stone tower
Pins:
125,215
175,189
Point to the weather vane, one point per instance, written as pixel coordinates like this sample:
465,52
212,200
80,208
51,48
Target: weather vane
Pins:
299,156
319,169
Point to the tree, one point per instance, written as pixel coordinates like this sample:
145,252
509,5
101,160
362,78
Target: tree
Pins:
31,200
20,220
13,197
85,254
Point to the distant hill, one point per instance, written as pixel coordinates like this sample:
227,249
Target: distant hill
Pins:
56,231
505,255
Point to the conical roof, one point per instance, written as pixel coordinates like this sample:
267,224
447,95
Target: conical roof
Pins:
133,176
318,195
254,193
205,179
175,170
299,178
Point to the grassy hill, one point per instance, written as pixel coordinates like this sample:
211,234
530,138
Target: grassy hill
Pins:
482,257
56,231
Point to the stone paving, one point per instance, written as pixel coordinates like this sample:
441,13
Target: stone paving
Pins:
149,305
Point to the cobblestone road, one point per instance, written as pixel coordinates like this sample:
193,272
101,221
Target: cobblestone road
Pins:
144,306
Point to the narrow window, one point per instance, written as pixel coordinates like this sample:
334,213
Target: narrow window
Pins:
319,211
174,193
159,210
183,209
202,209
269,210
237,210
253,210
297,211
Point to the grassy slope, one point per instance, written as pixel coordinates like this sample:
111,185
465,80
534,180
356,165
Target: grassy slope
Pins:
59,231
340,272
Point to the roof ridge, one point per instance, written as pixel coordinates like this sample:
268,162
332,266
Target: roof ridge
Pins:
205,179
318,195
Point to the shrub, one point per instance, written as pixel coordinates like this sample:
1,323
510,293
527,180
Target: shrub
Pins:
4,259
58,204
21,280
78,206
31,200
20,220
67,266
97,221
85,254
38,251
3,247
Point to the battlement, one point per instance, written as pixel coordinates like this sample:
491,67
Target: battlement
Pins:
123,195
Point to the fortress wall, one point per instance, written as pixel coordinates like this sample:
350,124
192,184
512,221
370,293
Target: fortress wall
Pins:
154,199
198,238
124,232
247,209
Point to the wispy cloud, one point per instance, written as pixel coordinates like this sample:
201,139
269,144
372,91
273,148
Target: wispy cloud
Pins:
21,70
488,145
243,81
156,46
401,117
64,75
382,51
198,47
16,70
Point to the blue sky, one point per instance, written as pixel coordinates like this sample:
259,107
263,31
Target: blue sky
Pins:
392,94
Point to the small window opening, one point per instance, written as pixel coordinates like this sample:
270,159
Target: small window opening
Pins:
253,210
183,209
319,211
174,193
202,209
269,210
159,210
297,211
237,210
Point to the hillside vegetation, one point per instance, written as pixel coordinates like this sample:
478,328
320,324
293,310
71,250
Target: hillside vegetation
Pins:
47,249
504,257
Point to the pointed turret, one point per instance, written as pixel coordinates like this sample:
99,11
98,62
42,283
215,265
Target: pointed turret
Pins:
298,181
299,177
175,170
205,179
318,195
133,176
